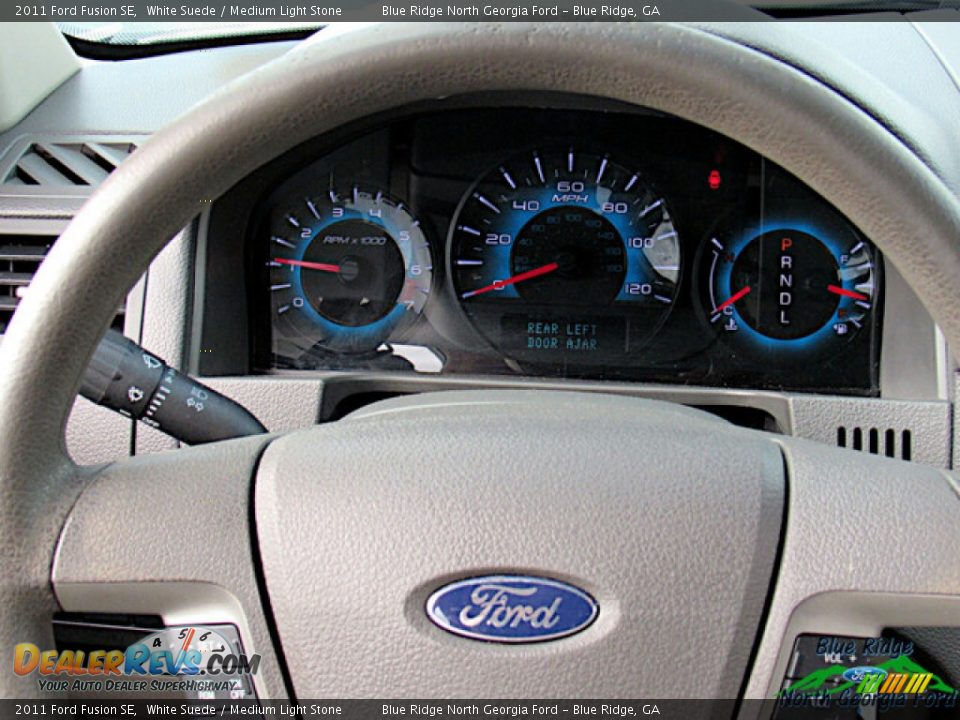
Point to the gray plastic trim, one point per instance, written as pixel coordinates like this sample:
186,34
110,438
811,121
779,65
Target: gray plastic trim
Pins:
36,59
281,404
140,96
913,364
929,424
956,426
93,435
168,306
298,400
19,147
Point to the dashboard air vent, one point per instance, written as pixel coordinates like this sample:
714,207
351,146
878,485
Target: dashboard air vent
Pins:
889,442
20,256
81,163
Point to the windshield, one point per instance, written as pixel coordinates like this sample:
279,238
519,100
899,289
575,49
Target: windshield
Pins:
158,37
158,33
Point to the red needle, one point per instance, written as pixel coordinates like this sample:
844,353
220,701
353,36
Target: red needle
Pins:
186,641
326,267
846,293
732,299
528,275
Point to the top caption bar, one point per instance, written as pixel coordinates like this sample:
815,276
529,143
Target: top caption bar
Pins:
282,11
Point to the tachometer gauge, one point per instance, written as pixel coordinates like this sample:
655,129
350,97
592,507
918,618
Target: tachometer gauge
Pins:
346,272
559,256
791,288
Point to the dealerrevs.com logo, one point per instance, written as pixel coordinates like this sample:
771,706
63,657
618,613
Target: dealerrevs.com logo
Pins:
190,652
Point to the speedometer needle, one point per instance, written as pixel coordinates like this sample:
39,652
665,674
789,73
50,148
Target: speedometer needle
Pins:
326,267
732,299
843,292
498,284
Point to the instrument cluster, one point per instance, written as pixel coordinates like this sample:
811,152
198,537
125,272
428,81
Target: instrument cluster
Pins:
561,243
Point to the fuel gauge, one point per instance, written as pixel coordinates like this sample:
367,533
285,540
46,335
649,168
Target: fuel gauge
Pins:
791,288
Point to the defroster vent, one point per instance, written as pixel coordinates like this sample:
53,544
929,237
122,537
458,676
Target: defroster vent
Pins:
83,162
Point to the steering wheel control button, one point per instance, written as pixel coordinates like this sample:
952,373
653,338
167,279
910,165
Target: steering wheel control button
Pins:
198,662
512,609
838,677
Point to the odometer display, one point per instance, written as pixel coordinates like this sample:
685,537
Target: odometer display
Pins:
575,243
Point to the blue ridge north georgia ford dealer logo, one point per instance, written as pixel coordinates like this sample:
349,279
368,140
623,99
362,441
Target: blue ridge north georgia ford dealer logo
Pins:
511,608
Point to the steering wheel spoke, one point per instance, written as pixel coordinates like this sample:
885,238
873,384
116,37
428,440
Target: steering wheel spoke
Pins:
171,535
869,544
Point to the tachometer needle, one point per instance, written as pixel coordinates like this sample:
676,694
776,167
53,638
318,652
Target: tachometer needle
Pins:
843,292
326,267
732,299
520,277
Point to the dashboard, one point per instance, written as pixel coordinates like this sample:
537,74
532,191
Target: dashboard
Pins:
205,303
527,239
554,242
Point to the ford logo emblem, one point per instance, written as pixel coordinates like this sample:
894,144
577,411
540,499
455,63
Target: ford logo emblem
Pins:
857,674
511,608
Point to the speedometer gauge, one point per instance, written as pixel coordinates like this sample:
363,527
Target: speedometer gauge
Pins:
559,256
347,270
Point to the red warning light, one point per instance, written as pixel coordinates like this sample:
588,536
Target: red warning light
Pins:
714,179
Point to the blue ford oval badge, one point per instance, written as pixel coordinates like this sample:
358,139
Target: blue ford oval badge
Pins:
511,608
857,674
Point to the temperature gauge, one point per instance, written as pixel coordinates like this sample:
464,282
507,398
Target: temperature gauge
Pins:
791,288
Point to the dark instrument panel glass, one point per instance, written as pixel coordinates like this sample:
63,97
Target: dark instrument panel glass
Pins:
561,243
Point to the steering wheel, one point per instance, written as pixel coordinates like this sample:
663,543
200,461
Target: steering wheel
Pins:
696,538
